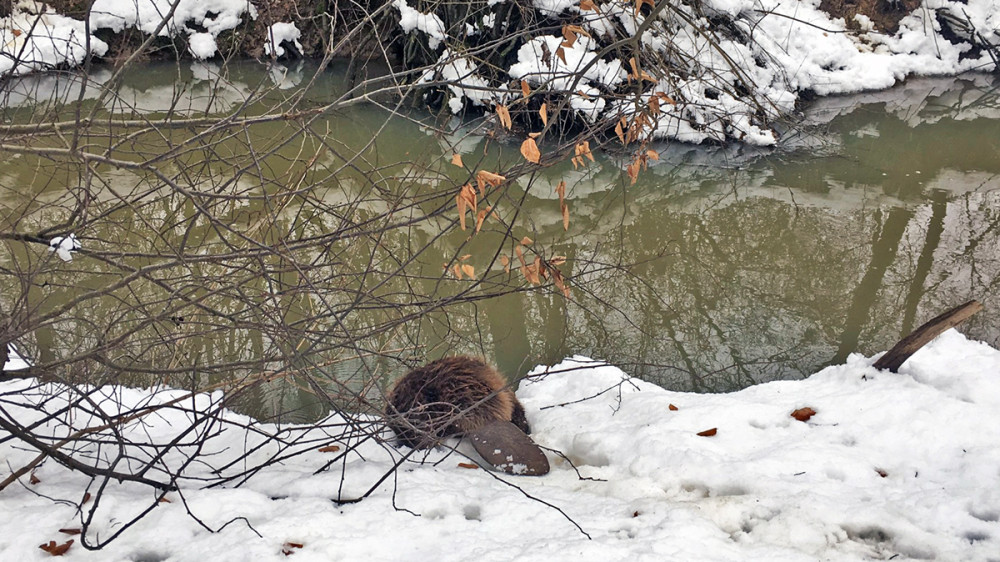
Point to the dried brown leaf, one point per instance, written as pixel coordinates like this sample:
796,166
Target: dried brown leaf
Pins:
557,279
654,105
456,159
525,89
530,151
633,172
708,432
71,531
561,54
329,449
467,465
543,112
457,270
665,98
484,178
56,549
86,498
469,271
557,260
460,203
803,414
33,479
527,241
504,116
481,217
570,37
565,216
469,194
588,5
672,408
465,200
652,154
531,274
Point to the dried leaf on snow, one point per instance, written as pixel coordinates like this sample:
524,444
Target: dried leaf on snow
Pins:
56,549
803,414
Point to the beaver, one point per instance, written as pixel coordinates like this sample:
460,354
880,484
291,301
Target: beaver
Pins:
463,396
450,396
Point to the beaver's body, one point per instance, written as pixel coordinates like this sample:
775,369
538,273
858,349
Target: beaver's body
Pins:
451,396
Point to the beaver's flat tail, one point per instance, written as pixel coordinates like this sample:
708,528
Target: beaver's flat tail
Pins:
508,449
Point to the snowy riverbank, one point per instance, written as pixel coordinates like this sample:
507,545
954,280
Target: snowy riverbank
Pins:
892,466
710,69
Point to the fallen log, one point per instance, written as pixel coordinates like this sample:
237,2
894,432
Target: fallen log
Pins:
895,357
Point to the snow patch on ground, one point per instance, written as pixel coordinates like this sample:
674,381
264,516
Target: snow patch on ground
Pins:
892,466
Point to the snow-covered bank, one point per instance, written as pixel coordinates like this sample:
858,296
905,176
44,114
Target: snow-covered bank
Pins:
35,38
705,69
710,69
902,466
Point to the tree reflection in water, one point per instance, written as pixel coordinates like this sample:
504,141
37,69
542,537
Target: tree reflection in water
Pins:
720,268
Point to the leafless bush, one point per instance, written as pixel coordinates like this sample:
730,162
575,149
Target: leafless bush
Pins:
237,253
227,245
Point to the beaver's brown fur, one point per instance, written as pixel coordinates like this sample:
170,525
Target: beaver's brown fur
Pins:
450,396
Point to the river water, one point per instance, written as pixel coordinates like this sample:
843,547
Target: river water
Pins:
721,267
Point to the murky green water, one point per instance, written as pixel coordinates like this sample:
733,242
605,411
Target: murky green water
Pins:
718,269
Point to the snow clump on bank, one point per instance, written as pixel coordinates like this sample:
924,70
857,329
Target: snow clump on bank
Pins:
280,33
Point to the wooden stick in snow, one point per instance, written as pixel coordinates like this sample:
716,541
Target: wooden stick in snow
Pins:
920,337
